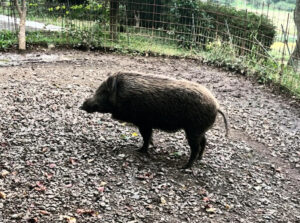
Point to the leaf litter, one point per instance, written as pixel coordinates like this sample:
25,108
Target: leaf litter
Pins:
59,164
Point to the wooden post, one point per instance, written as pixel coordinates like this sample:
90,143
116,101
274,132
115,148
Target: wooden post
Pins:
113,14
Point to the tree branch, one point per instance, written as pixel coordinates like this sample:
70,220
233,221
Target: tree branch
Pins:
23,6
18,7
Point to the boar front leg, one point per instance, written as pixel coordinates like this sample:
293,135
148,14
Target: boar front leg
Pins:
146,133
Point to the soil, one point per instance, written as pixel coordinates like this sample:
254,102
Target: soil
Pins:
59,164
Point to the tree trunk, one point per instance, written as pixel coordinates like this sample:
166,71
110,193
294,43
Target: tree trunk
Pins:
22,25
113,14
22,32
295,57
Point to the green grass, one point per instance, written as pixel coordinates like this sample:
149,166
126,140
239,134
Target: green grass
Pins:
217,53
266,71
144,44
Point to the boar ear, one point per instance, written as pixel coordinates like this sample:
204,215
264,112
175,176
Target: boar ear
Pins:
112,83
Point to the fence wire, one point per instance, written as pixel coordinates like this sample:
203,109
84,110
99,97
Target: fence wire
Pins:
158,23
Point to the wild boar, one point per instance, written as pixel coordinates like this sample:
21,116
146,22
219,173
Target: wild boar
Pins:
156,102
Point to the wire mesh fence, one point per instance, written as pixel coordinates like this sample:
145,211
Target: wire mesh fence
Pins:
162,26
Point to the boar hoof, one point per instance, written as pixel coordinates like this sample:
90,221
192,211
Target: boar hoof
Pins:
186,166
143,150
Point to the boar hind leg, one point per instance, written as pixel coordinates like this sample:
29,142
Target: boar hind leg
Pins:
194,141
146,133
202,145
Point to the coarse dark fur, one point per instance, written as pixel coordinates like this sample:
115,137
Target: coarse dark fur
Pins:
156,102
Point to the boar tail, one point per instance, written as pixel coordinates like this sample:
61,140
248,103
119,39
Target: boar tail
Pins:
225,121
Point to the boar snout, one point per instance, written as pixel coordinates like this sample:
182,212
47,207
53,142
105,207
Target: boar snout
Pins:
89,106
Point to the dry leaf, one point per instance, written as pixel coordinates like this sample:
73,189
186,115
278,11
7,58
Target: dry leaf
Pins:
163,201
206,199
87,211
149,206
101,189
49,175
145,176
103,184
72,161
210,210
71,220
39,186
134,134
44,212
2,195
227,206
4,173
68,218
52,165
90,160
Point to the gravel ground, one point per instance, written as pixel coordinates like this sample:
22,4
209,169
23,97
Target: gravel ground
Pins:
59,164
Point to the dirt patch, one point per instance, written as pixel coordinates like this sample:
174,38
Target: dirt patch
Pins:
58,162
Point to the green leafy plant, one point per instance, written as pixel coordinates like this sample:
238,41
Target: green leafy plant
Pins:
7,39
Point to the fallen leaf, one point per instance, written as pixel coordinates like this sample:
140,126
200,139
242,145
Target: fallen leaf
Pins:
90,160
124,137
49,175
145,176
206,199
149,206
176,154
134,134
39,186
2,195
227,206
128,208
71,220
103,183
87,211
3,144
163,201
68,218
72,161
121,155
4,173
52,165
101,189
210,210
44,212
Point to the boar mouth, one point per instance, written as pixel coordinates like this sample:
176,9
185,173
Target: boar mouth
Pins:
88,107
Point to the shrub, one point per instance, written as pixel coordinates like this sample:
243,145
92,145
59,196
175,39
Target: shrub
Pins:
90,12
201,23
7,39
285,6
